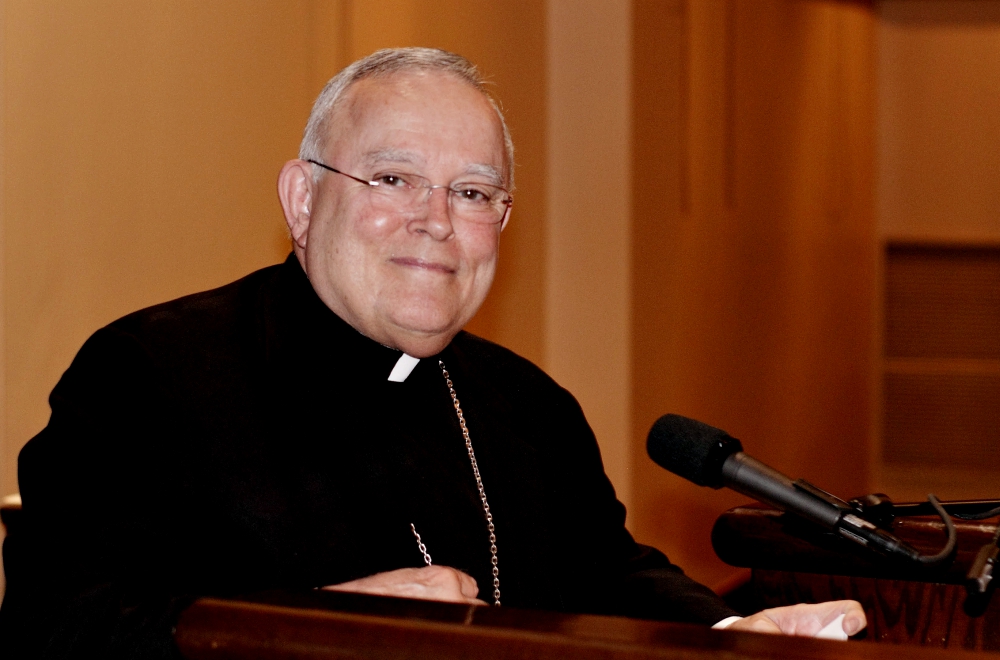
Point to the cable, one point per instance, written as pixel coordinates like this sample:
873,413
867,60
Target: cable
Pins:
949,547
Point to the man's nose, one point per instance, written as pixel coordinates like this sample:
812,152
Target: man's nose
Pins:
435,215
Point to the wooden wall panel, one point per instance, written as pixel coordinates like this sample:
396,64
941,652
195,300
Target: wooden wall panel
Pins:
941,379
939,120
943,418
754,245
942,301
939,158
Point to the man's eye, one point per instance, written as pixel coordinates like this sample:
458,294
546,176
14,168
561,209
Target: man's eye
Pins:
473,194
392,181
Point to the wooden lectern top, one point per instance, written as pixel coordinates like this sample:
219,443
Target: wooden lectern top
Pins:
338,625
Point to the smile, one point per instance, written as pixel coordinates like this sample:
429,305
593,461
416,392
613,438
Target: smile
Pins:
412,262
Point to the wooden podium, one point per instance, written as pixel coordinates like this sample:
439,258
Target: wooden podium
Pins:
332,625
794,562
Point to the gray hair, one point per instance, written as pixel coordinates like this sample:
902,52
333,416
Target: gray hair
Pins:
384,63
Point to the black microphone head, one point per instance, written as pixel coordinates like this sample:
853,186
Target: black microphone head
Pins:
691,449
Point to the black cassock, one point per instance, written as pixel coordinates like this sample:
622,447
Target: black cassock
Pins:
246,438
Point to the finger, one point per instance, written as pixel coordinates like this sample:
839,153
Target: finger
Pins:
467,585
446,583
429,583
759,622
449,579
809,619
854,616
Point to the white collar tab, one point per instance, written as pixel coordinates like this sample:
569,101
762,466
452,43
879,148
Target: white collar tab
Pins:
404,365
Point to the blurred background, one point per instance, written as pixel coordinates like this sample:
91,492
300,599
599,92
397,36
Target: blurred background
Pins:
781,217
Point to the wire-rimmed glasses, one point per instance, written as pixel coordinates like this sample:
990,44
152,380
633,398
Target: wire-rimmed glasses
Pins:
481,203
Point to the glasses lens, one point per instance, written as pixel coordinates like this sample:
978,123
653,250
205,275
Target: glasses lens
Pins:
469,201
403,185
479,202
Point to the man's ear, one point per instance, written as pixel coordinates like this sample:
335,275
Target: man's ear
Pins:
295,190
506,217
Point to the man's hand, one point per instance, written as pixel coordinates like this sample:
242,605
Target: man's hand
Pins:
427,583
805,620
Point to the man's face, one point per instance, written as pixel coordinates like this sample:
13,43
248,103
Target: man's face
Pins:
409,279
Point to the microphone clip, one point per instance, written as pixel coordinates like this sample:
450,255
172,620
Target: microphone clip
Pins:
876,508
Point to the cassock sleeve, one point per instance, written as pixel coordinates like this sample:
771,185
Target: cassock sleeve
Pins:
611,573
92,570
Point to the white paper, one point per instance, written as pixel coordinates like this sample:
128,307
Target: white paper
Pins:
833,630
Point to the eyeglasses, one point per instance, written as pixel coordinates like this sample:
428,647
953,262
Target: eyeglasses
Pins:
482,203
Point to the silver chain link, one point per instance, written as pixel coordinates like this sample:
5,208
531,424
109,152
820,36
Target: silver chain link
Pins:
421,546
479,483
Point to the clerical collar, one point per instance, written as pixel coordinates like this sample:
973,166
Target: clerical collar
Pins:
404,366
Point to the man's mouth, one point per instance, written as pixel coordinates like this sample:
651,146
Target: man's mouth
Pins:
413,262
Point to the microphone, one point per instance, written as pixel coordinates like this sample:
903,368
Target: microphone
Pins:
711,457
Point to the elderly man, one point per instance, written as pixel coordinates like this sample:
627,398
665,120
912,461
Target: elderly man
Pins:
327,423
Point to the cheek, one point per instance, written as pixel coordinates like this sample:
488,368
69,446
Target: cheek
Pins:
481,255
363,236
370,224
484,247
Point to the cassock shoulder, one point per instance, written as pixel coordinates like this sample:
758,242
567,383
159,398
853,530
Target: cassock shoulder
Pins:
518,390
137,376
515,375
197,318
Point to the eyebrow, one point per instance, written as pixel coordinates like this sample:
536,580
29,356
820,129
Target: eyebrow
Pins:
488,171
381,156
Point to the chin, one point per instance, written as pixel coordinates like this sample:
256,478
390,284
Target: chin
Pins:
428,327
426,330
427,314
